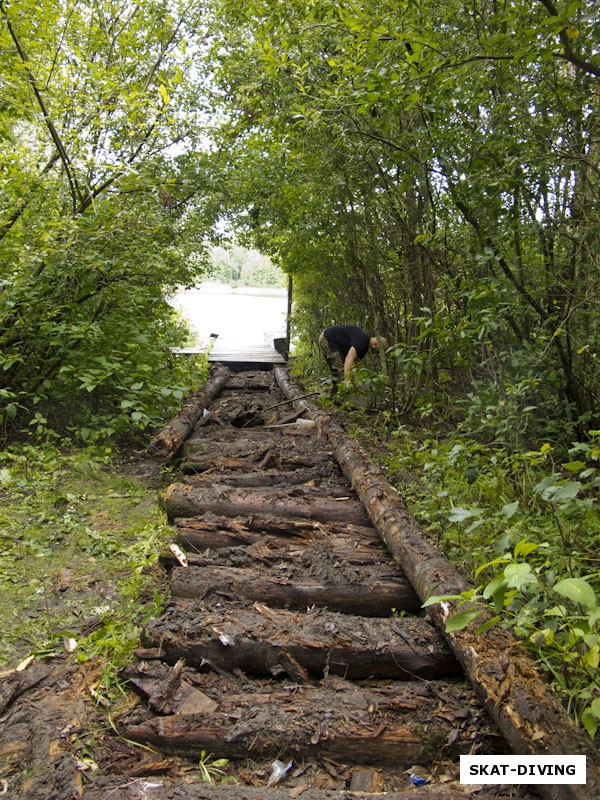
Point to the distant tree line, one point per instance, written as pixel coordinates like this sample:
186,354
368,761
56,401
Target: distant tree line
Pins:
238,266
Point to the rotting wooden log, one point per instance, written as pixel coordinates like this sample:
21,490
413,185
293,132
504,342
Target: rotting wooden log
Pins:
505,678
257,640
373,594
300,501
317,558
280,526
254,450
268,548
211,531
361,726
165,786
250,381
232,442
261,459
321,474
170,439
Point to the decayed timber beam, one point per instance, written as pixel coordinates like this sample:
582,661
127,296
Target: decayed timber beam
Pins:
307,529
170,439
270,477
384,592
253,459
301,501
275,537
266,641
362,725
507,681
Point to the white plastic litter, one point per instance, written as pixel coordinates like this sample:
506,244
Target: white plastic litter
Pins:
179,554
279,770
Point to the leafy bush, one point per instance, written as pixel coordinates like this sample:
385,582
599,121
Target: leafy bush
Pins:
532,526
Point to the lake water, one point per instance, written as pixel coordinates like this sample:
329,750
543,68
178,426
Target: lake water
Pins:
239,316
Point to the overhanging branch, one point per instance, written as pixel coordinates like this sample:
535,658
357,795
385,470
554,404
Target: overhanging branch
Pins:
76,195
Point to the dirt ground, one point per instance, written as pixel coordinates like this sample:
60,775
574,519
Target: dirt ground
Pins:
55,744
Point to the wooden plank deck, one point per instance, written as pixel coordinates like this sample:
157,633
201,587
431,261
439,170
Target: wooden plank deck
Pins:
235,355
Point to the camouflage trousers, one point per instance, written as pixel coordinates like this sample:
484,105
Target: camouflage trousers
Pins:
333,357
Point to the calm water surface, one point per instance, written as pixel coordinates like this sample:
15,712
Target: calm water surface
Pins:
239,316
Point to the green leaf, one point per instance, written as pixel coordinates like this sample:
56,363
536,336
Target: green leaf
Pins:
524,548
459,514
546,484
589,722
496,562
518,576
575,466
595,707
461,620
489,623
493,586
441,598
577,590
567,491
511,509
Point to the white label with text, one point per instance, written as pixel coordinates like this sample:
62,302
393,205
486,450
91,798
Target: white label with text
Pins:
522,769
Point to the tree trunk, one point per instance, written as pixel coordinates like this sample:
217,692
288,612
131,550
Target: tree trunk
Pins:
517,698
247,458
398,725
308,475
170,439
278,535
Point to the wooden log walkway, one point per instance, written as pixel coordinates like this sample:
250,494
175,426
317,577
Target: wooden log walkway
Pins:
295,632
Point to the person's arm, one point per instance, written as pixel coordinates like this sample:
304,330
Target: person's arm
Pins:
349,362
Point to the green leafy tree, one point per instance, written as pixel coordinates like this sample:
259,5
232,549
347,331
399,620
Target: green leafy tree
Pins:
416,163
95,226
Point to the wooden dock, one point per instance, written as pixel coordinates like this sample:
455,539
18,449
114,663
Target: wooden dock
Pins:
237,356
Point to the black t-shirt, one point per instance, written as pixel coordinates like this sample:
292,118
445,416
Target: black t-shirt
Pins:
346,336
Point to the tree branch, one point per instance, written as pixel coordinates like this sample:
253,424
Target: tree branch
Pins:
16,215
565,40
76,195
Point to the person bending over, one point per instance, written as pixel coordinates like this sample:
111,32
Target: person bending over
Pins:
343,345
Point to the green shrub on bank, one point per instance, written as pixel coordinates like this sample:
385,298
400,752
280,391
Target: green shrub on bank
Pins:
527,525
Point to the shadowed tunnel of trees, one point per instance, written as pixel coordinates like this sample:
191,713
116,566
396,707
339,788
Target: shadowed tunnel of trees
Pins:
428,171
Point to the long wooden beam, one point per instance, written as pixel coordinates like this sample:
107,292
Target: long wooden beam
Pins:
169,440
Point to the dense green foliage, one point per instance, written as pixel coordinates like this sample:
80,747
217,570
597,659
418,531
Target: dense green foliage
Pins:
427,170
94,219
430,171
532,524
